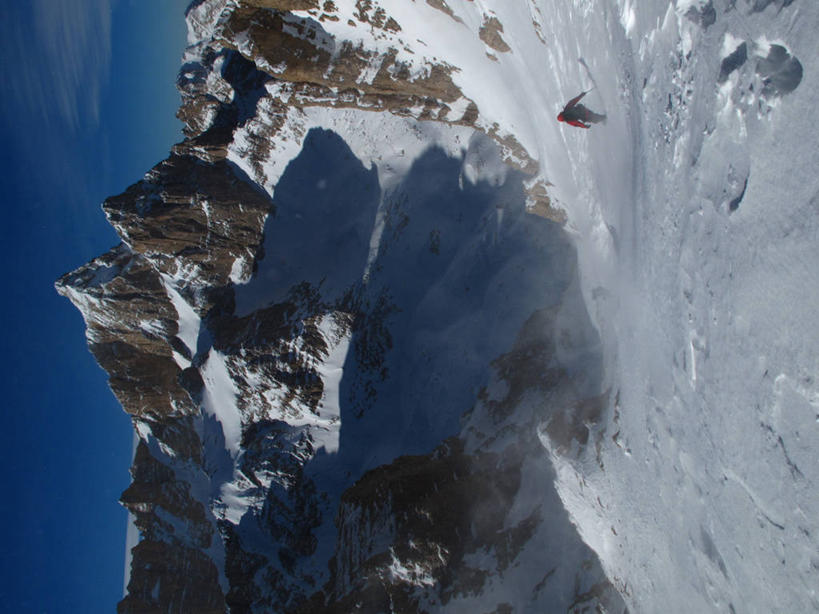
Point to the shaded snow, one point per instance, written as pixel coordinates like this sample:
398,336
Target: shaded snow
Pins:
331,372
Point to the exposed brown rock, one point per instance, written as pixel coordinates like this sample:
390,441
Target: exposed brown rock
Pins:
285,5
336,79
188,214
431,534
168,566
539,202
131,324
219,92
378,19
490,33
155,490
166,577
261,343
525,368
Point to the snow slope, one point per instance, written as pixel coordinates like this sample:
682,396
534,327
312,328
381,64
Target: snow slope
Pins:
717,355
695,214
696,210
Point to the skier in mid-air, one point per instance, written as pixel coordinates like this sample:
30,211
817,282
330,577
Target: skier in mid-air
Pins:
577,115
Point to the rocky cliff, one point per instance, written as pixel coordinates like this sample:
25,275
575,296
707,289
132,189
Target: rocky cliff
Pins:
341,317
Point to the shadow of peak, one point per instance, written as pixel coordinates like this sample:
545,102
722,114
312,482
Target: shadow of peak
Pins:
462,269
326,203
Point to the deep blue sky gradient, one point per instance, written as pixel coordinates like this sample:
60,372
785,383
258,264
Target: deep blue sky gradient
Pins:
88,103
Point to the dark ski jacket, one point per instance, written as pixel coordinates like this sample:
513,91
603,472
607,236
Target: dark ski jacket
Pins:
573,113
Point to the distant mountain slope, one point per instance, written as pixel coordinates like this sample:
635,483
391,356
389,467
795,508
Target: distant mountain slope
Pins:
393,339
320,319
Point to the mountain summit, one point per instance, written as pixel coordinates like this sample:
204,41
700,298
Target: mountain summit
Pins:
393,339
337,328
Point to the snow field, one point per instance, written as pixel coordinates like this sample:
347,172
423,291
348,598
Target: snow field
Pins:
695,209
704,503
694,213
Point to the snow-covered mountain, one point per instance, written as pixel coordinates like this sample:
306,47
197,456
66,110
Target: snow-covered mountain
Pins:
394,339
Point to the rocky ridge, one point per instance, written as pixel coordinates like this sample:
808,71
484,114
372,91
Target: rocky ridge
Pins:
263,259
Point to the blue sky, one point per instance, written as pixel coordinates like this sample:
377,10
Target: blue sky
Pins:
88,103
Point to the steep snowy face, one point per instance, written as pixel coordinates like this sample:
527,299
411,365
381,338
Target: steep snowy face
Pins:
700,491
395,339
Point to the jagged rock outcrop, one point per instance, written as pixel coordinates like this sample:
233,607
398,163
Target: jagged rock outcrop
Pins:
183,218
169,564
131,330
338,373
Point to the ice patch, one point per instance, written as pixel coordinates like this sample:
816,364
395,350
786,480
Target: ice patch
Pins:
220,400
188,320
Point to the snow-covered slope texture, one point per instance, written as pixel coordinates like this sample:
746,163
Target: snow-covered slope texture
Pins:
367,375
698,208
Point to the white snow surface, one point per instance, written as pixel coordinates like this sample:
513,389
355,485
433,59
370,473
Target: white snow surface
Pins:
188,321
220,400
707,500
694,212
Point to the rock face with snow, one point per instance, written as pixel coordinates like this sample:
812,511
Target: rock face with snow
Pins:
323,342
394,340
